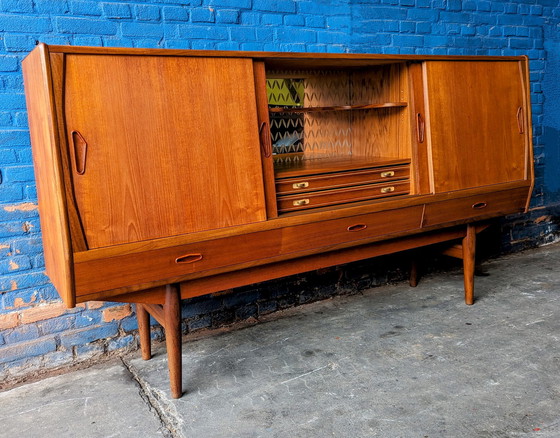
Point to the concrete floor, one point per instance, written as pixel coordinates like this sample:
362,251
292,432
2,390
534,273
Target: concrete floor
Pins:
394,361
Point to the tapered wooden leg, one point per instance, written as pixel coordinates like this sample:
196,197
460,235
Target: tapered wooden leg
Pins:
144,330
413,279
172,315
469,249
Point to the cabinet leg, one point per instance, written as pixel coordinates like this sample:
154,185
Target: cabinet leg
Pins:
469,249
413,279
144,330
172,315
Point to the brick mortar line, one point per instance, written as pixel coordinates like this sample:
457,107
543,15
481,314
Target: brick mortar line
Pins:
153,401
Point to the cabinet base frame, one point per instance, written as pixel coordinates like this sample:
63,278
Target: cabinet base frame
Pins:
168,314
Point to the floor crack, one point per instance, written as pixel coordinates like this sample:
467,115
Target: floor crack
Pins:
168,428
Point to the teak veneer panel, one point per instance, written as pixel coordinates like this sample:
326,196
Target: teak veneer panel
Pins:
166,138
473,123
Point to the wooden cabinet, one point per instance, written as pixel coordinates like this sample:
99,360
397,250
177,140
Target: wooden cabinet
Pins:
167,174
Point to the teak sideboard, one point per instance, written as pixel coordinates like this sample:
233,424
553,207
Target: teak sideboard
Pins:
169,174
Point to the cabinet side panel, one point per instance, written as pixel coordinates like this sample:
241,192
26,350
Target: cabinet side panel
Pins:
46,160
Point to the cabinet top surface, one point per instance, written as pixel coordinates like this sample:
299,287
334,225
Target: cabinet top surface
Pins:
271,56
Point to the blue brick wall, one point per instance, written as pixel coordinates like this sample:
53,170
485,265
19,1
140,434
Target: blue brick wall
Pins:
37,333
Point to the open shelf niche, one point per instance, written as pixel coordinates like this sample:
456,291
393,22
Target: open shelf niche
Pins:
339,120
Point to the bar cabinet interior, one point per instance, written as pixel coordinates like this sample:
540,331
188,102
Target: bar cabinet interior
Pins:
169,174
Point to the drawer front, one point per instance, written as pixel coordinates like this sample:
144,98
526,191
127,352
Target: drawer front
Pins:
304,184
475,207
323,198
244,250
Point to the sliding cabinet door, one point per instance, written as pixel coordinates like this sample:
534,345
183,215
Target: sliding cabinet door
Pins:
477,123
161,146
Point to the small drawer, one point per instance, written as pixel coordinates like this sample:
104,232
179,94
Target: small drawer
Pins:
475,207
309,183
323,198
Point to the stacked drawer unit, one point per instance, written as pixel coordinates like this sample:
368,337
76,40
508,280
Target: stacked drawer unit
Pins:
317,186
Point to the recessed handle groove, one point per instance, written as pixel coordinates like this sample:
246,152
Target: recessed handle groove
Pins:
357,227
420,128
479,205
80,152
188,258
520,124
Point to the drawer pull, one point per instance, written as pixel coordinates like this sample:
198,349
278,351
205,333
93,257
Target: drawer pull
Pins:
301,185
387,189
357,227
300,202
479,205
189,258
388,174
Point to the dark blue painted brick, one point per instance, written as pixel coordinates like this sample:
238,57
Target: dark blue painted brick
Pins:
242,4
315,21
175,13
25,284
142,30
408,40
454,5
85,8
424,27
520,43
18,43
14,137
203,32
51,7
15,264
17,6
199,323
39,347
297,34
227,16
21,333
294,20
271,19
202,15
87,41
122,342
58,358
116,10
422,14
243,33
118,42
27,246
88,318
265,34
147,13
11,193
23,23
19,174
275,5
86,26
87,335
7,156
407,27
12,101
